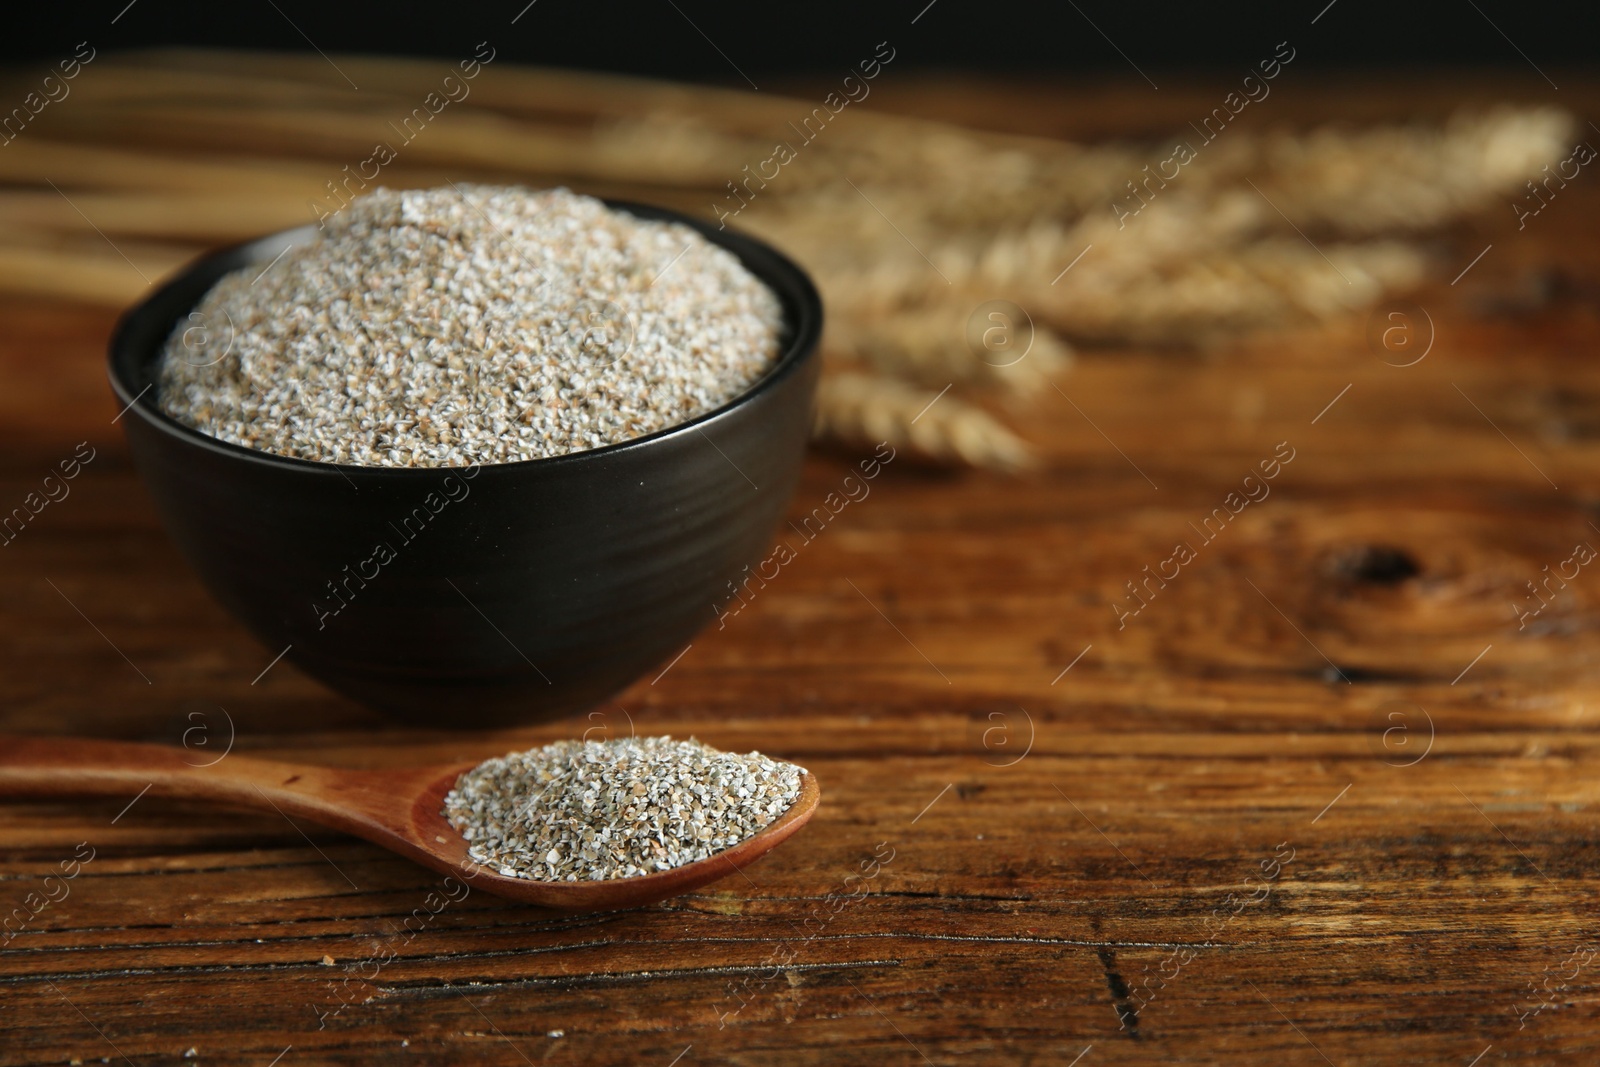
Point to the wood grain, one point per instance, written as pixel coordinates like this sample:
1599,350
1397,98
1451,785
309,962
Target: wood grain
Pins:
1334,701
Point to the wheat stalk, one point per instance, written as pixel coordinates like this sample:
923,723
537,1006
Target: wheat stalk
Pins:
911,227
864,409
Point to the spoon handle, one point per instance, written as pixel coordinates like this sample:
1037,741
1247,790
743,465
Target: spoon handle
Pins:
72,766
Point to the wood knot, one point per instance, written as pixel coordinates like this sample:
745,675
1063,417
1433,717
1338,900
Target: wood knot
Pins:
1374,565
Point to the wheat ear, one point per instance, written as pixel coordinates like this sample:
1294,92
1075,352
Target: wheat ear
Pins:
864,409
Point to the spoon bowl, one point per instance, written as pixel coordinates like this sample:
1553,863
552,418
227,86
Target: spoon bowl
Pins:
399,809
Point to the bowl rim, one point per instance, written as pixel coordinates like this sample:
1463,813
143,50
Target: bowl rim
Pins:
788,281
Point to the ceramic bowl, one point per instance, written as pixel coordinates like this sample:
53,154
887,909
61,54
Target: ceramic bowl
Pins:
523,591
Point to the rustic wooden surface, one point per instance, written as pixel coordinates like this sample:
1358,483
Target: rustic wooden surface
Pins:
1333,700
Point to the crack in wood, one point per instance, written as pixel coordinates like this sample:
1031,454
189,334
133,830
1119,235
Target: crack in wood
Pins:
1126,1012
991,939
565,981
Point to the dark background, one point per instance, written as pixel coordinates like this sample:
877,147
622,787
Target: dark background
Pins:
996,37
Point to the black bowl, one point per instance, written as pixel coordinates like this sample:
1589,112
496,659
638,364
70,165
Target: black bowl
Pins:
526,591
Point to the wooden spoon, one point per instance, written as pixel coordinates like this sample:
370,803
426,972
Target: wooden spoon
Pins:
397,809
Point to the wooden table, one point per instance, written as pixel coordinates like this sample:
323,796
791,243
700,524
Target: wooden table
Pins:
1324,797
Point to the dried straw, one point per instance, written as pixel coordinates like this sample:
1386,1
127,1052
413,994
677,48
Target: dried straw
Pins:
863,409
910,226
